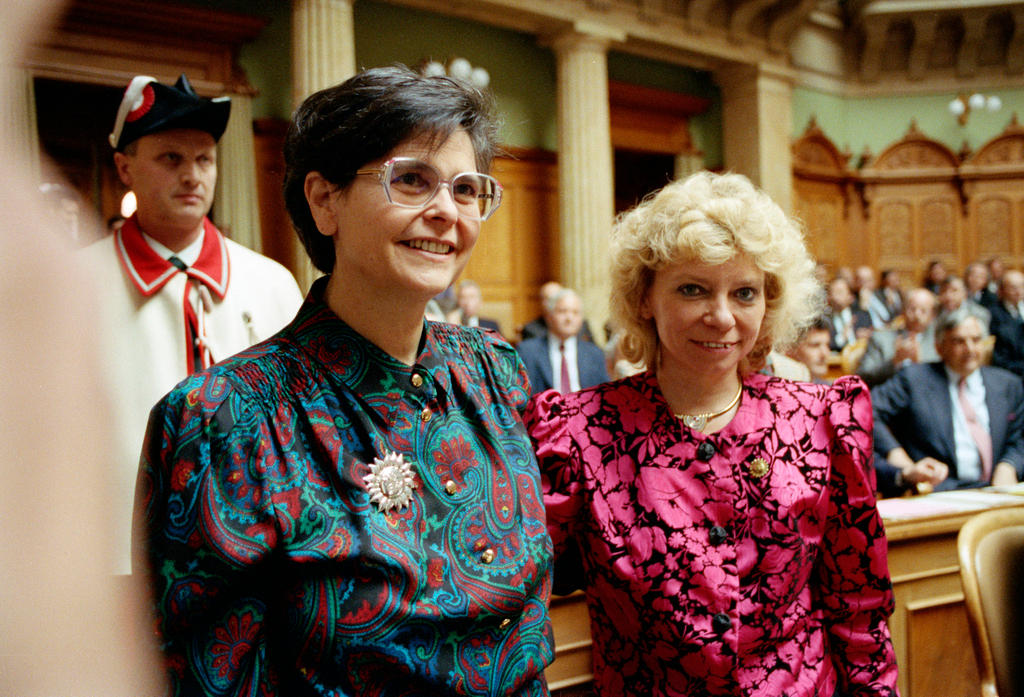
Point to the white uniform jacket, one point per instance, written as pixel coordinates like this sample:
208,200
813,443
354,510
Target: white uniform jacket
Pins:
150,312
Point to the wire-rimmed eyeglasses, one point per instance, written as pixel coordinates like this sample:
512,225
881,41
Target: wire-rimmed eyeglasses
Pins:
412,183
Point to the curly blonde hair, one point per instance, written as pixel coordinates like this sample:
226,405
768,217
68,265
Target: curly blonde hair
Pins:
711,218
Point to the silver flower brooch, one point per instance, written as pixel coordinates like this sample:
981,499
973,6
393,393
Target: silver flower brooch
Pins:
390,482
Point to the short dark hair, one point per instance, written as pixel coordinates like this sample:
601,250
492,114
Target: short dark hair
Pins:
339,129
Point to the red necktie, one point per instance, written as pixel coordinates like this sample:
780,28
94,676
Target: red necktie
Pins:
981,437
563,384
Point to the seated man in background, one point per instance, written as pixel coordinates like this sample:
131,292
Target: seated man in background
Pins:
812,351
539,326
1008,323
470,300
953,296
976,278
868,299
890,293
846,320
952,423
889,350
560,359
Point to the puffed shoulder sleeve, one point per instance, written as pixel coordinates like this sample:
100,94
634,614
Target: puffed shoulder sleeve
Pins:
204,520
507,374
549,420
854,589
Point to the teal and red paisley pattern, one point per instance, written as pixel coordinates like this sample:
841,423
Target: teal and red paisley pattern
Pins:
273,572
747,562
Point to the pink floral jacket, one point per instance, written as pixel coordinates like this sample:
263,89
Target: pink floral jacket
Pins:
751,561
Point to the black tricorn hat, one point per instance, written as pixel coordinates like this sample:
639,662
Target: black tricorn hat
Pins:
150,107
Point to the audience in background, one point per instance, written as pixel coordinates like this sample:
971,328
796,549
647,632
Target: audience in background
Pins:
847,322
934,275
469,301
1008,323
976,278
812,351
560,359
891,294
951,423
888,350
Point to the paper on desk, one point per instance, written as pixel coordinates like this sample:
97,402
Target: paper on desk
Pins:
946,502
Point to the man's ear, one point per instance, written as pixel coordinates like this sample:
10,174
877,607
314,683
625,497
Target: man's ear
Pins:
320,197
123,164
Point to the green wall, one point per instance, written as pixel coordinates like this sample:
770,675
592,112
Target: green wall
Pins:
877,122
523,81
522,71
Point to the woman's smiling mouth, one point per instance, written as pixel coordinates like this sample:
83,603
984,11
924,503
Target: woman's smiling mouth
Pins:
432,246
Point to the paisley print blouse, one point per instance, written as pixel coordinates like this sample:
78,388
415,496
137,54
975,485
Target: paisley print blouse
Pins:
275,573
751,561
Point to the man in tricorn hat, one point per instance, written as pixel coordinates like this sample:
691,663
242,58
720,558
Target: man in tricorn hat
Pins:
178,294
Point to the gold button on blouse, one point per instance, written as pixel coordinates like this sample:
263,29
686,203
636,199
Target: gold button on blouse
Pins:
488,556
417,381
758,468
425,415
450,487
505,623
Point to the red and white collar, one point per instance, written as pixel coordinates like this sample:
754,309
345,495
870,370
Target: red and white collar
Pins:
149,271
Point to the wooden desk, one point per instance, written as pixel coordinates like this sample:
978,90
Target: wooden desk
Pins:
929,625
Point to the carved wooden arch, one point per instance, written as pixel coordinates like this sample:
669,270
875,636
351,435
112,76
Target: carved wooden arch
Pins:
914,156
915,205
994,185
815,156
821,195
1004,153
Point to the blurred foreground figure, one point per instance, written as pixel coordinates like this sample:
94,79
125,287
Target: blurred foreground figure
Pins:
65,628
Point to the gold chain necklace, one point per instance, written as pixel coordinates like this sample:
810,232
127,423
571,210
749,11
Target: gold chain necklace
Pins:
698,421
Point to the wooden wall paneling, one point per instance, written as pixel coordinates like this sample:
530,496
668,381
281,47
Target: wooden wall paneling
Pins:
645,119
518,247
822,198
915,207
994,184
277,236
110,41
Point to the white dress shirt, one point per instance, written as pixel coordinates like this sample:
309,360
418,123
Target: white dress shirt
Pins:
555,354
968,460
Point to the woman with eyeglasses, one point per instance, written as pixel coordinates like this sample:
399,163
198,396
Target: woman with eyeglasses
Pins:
353,506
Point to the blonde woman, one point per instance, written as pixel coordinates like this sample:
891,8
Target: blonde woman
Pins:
726,519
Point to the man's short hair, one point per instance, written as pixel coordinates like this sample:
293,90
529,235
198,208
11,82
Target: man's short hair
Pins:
948,321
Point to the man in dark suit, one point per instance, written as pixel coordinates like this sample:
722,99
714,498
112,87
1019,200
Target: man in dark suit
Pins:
952,423
847,321
560,359
470,301
1008,323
